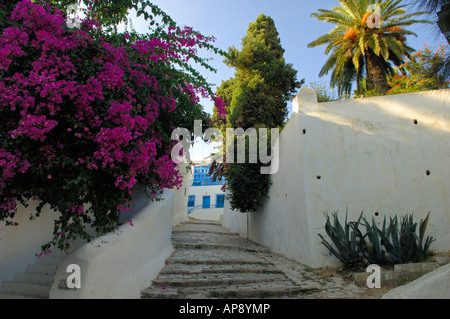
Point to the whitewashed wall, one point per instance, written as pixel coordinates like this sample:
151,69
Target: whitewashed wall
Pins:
212,213
19,245
119,265
362,155
181,197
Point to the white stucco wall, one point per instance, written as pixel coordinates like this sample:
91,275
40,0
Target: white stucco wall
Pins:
370,156
121,264
117,265
234,221
19,245
182,196
212,213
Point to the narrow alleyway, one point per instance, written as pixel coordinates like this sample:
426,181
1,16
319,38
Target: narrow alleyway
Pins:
210,262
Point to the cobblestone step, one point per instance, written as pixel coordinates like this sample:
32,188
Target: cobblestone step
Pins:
214,256
200,228
39,279
45,269
193,221
217,246
25,289
196,240
215,279
248,290
36,281
260,291
219,268
210,262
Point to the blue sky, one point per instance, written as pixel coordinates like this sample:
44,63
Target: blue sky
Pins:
228,21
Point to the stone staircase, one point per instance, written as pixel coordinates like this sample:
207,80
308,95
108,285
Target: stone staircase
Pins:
209,262
37,280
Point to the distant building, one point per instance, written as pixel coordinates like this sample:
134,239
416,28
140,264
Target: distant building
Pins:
206,198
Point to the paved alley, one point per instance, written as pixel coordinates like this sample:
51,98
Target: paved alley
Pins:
210,262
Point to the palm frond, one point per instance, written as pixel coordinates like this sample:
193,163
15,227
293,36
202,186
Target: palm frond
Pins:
349,49
324,39
373,43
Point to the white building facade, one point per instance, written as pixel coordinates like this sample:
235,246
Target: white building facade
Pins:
206,197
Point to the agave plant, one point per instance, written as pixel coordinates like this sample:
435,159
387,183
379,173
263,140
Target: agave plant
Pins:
347,242
401,241
423,248
374,253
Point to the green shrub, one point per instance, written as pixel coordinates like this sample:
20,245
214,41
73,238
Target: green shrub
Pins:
396,243
374,253
401,241
348,246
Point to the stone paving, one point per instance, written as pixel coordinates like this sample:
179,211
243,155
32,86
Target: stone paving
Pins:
210,262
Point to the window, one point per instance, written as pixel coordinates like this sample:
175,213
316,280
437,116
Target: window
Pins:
191,201
220,202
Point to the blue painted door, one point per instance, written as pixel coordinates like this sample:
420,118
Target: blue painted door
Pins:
206,202
220,201
191,201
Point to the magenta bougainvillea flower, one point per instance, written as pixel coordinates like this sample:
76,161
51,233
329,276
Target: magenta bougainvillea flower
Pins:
86,118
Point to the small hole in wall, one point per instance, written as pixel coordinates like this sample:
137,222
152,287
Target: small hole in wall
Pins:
377,214
428,173
319,177
304,132
416,122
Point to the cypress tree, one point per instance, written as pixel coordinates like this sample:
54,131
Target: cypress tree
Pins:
257,97
263,82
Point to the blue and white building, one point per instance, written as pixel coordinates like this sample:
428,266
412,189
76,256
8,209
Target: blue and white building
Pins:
206,198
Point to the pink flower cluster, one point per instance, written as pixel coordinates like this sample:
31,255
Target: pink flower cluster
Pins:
96,112
34,126
221,107
10,165
10,45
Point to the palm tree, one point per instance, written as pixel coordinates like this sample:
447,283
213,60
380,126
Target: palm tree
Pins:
358,48
439,11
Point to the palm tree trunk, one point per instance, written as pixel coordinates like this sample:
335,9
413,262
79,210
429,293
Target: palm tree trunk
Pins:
376,72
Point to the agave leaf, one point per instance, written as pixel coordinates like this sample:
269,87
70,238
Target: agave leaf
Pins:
344,245
424,247
390,248
427,245
378,253
384,225
394,233
336,235
423,227
339,230
404,240
330,248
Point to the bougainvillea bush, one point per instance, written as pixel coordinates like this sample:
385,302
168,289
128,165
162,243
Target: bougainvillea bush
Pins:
421,72
86,116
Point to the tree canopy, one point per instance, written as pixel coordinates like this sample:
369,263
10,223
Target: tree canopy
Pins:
257,98
263,82
359,48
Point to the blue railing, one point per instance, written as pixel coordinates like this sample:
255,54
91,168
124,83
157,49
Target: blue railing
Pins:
191,209
207,182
